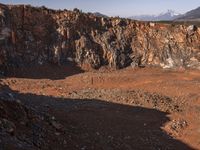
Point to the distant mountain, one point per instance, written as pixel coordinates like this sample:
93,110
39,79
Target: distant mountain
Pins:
100,15
193,15
169,15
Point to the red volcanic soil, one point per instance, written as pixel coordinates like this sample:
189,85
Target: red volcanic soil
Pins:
148,108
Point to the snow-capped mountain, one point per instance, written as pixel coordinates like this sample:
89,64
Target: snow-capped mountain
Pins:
169,15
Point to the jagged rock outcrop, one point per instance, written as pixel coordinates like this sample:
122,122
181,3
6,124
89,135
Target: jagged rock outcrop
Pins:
23,127
30,36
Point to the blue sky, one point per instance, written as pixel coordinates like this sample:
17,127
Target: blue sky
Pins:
123,8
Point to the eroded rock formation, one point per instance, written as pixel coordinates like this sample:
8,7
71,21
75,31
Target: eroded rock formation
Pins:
30,36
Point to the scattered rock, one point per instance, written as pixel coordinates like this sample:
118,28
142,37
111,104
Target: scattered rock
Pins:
178,125
56,125
7,126
137,97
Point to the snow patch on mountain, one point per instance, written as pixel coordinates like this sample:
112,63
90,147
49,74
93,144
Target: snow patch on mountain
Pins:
167,16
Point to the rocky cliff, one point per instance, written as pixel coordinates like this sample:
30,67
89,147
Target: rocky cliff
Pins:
31,36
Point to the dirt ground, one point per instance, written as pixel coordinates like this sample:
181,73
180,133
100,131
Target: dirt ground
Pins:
144,108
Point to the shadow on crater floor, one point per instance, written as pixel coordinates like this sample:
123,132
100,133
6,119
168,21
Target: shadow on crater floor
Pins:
103,125
49,71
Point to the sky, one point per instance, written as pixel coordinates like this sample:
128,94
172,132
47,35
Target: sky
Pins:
122,8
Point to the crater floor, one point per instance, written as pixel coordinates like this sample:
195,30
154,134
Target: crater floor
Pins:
148,108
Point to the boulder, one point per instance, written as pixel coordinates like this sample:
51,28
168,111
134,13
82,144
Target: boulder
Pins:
191,29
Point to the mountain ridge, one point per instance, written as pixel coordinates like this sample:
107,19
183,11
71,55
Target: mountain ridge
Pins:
193,15
98,14
167,16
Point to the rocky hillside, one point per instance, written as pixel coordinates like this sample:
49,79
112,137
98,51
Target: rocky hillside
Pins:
31,36
193,15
